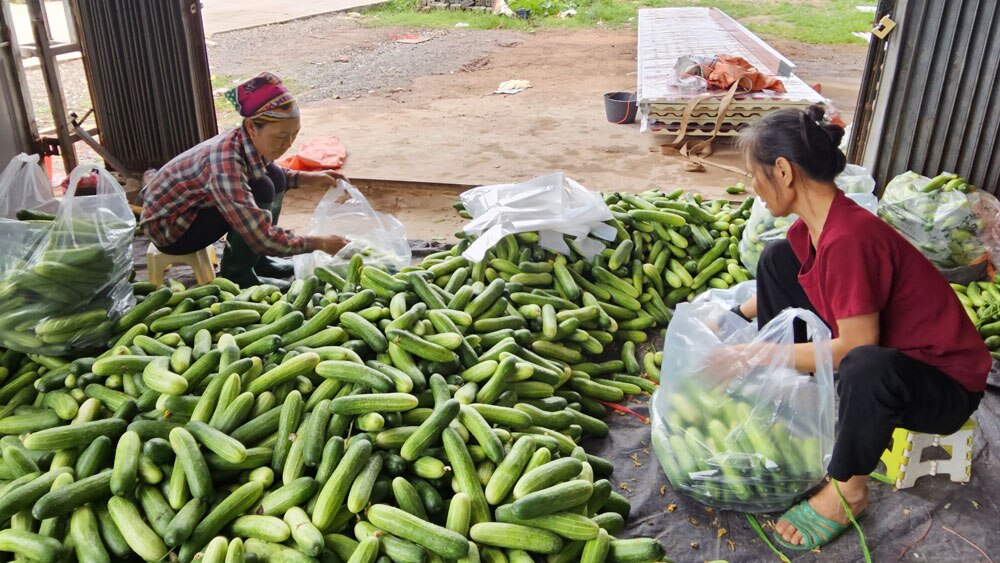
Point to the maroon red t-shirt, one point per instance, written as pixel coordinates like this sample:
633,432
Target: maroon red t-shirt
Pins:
862,266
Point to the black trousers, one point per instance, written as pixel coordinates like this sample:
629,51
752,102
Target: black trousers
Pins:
210,225
880,389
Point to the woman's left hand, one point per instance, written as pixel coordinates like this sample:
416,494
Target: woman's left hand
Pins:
320,179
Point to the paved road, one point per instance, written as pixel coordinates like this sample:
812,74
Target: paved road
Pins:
229,15
219,15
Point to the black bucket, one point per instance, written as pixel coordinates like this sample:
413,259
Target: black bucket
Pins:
620,107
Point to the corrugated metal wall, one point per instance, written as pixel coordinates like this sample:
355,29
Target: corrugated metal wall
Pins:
148,72
936,106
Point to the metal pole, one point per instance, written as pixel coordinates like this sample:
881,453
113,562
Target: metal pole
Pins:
53,84
17,96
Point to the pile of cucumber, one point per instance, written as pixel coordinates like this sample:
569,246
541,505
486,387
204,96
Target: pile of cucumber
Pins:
65,296
670,248
982,303
429,415
715,449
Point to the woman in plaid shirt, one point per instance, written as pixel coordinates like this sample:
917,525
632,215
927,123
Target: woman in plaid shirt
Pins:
230,184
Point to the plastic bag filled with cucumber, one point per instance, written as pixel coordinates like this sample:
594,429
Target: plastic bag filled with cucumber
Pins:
24,187
734,425
25,194
949,220
379,237
553,205
73,282
762,227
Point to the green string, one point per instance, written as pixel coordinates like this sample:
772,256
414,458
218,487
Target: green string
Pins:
763,536
883,478
850,515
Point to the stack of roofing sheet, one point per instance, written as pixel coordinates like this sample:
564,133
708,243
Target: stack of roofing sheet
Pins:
666,34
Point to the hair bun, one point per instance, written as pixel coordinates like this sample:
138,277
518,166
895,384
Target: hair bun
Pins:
836,132
816,113
839,161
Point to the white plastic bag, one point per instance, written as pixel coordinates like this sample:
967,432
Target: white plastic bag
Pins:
762,227
757,441
379,237
950,227
74,283
855,180
23,185
553,205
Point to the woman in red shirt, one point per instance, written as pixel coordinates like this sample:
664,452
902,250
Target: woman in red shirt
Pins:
907,354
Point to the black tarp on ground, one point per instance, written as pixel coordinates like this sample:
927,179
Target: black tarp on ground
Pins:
914,520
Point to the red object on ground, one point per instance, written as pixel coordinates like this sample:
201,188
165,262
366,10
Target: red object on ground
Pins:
320,153
86,186
626,410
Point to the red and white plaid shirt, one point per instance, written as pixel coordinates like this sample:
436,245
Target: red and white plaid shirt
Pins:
215,173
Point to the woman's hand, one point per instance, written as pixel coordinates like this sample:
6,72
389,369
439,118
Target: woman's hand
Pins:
322,179
330,244
724,365
730,362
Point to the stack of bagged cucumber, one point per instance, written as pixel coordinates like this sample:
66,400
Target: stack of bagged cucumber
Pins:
761,228
713,448
982,303
345,420
941,216
64,297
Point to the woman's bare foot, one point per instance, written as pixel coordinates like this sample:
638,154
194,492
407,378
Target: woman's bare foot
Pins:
827,504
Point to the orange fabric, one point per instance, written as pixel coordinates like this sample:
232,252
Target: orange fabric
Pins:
990,270
730,69
320,153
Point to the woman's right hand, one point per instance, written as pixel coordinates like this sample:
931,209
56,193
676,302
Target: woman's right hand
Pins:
330,244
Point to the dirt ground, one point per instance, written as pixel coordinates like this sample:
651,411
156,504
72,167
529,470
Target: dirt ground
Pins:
425,112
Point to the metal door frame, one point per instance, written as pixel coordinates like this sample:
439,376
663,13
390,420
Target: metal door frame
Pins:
15,98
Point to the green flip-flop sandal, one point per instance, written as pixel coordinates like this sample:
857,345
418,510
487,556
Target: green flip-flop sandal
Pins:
816,530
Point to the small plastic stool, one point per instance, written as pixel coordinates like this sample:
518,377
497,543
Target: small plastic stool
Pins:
202,262
902,460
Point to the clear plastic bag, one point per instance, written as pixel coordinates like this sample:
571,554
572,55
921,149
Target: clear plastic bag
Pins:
855,180
379,237
73,284
553,205
729,298
950,227
23,185
762,227
758,442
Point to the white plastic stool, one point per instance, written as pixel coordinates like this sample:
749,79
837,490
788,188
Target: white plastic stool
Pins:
202,262
902,460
